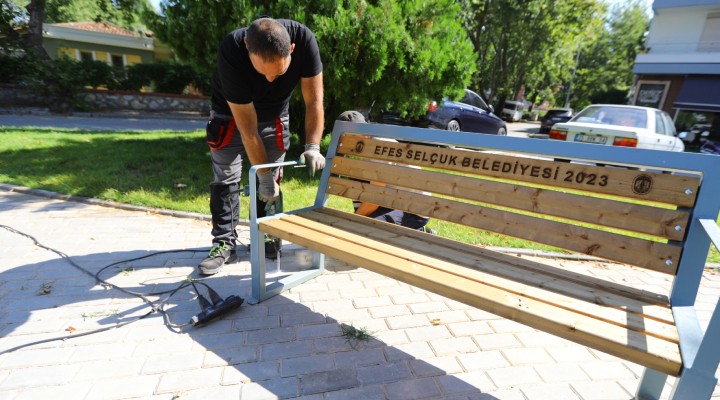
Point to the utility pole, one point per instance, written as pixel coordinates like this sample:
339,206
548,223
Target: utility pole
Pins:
567,95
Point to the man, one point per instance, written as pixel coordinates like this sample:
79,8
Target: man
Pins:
398,217
258,68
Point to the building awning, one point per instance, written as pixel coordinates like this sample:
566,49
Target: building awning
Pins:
699,93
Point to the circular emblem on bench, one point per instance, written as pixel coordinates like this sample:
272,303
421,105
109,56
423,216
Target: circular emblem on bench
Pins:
359,146
642,184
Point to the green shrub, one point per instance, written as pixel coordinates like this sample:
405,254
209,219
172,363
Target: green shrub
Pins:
96,73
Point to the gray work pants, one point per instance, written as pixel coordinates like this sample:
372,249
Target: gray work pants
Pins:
227,153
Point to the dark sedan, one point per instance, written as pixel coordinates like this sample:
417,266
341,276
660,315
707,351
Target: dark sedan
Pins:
469,114
553,116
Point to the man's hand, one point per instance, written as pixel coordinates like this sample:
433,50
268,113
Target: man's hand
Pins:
268,189
312,158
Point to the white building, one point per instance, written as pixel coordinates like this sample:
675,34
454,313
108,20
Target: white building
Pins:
680,72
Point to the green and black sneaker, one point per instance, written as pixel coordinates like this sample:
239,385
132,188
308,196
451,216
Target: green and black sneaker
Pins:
219,255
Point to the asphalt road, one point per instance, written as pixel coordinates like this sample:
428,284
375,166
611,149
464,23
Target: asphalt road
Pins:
139,122
102,123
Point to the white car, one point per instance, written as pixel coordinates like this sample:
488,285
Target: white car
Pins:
620,125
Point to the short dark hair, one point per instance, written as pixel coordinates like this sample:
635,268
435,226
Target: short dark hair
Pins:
268,39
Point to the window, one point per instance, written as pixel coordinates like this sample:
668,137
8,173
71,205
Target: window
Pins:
473,99
117,61
669,125
86,56
659,124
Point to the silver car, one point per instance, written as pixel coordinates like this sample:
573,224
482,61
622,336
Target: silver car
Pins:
620,125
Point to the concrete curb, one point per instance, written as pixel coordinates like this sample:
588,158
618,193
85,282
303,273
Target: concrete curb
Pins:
245,222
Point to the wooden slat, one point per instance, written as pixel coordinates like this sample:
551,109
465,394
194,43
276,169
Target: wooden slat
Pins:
646,350
615,214
538,289
579,286
635,251
665,188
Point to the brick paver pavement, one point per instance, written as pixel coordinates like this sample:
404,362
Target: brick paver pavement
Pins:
291,346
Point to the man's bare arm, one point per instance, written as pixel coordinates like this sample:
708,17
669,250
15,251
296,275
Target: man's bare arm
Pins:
246,121
312,91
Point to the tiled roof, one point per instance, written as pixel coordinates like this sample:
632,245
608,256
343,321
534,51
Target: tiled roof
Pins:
102,27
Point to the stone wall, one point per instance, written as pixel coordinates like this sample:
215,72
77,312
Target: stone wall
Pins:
109,100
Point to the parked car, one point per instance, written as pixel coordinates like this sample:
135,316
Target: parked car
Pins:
512,110
469,114
695,134
553,116
620,125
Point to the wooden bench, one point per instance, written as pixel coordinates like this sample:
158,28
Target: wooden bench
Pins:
655,210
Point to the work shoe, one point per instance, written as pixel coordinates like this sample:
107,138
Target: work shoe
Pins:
219,255
272,247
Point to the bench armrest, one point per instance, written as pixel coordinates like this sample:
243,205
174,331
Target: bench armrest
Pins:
252,182
712,231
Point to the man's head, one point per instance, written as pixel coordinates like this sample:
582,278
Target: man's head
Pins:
268,43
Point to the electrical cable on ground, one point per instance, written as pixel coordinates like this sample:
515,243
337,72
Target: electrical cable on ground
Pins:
155,306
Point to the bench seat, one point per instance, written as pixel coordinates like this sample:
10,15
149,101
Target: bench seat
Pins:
634,324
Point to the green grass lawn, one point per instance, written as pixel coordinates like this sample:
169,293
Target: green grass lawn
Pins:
160,169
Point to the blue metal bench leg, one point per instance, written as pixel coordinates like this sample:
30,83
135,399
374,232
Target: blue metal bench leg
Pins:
651,385
698,379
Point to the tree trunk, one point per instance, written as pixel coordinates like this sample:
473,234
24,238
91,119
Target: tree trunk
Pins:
36,10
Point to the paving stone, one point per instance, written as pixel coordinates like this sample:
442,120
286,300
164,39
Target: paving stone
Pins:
435,366
607,390
123,388
527,356
407,321
69,391
465,383
550,391
109,369
274,351
174,362
390,311
412,389
271,389
408,351
328,381
376,392
552,373
384,373
599,370
306,365
513,376
174,382
355,358
428,333
250,372
39,376
469,328
317,331
483,360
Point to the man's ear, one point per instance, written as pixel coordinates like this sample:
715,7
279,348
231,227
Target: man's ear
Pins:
292,47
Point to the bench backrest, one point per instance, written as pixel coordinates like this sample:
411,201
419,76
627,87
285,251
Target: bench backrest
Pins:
587,204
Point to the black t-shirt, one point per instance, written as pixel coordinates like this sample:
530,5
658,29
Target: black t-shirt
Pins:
235,80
